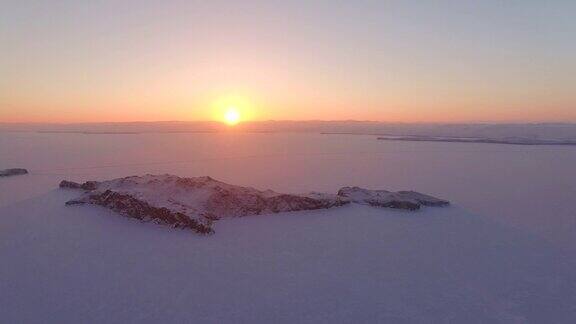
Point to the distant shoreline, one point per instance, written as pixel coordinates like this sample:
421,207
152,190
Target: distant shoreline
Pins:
512,141
513,134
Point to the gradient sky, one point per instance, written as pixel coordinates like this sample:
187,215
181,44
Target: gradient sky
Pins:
71,61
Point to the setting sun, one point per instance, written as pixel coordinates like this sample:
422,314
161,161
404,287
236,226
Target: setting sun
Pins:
232,109
231,116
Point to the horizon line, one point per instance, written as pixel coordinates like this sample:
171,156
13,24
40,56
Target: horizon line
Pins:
285,121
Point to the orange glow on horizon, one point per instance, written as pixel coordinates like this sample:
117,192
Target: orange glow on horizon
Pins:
232,109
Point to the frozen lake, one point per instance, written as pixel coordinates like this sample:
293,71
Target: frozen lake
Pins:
530,187
499,255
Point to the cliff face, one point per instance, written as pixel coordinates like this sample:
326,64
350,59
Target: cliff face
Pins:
196,203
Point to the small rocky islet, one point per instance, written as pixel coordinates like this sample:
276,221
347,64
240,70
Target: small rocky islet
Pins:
13,172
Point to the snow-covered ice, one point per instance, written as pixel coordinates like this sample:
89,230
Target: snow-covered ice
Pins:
502,253
351,264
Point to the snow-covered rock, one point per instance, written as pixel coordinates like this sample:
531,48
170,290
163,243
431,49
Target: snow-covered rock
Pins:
191,202
88,185
195,203
410,200
12,172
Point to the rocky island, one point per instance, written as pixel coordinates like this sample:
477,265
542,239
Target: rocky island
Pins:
12,172
196,203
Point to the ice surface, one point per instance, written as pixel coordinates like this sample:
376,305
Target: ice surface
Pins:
354,264
509,260
529,187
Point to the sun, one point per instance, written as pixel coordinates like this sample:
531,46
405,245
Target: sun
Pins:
232,109
231,116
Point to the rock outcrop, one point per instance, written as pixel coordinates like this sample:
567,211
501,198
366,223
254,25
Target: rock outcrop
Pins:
196,203
193,203
13,172
88,185
410,200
